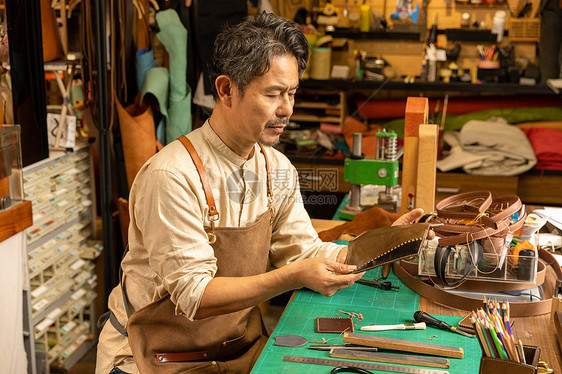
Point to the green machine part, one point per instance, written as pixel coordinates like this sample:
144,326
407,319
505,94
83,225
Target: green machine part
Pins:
371,171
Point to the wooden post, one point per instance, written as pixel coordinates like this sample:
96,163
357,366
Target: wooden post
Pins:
427,167
417,109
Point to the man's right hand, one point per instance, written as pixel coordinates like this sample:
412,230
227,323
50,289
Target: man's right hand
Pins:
324,275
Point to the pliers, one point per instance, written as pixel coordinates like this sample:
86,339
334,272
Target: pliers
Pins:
382,285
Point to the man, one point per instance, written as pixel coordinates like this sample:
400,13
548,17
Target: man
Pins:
208,213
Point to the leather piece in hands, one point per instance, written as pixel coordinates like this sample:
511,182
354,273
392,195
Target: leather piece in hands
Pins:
385,245
334,325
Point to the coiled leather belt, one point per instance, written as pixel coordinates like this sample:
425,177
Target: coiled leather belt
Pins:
440,296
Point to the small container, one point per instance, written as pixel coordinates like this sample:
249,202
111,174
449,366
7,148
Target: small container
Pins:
498,25
485,64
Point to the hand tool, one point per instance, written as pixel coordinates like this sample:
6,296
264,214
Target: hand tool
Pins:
362,365
401,326
355,347
391,358
442,325
403,345
382,285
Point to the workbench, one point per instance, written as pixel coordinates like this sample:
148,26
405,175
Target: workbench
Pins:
386,307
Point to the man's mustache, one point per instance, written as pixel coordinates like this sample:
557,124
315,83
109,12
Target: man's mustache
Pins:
277,122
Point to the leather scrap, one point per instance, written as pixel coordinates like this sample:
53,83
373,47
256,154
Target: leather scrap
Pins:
334,325
373,218
290,341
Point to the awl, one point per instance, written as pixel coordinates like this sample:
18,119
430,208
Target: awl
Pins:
432,321
401,326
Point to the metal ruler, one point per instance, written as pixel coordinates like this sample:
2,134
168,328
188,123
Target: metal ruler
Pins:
362,365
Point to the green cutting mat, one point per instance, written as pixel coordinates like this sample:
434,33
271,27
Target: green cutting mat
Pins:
376,306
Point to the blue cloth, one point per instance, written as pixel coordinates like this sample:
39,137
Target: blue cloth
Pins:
145,62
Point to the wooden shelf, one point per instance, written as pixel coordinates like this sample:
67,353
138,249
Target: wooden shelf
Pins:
503,88
311,118
315,105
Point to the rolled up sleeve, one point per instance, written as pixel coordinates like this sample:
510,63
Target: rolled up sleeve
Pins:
171,218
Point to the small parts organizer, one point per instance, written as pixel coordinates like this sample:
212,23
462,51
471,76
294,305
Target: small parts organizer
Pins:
525,30
60,300
491,267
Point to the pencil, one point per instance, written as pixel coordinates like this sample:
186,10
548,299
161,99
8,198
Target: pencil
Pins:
481,339
522,351
499,345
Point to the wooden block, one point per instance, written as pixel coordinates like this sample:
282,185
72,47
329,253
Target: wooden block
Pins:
4,187
391,358
558,325
403,345
15,219
427,167
417,109
409,170
556,307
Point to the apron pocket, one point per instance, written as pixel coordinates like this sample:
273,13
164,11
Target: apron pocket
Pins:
234,347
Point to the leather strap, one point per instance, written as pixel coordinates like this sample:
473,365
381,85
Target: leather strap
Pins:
485,226
269,190
202,175
181,356
467,205
440,296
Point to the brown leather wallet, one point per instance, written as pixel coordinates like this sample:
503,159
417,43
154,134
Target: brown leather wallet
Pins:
385,245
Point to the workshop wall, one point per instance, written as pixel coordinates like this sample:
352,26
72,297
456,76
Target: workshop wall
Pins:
406,56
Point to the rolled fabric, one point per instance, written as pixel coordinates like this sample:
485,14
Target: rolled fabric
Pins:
173,36
145,61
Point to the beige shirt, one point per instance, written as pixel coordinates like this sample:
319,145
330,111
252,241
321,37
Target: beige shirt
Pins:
168,246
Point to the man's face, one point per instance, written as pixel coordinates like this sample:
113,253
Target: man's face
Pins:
263,111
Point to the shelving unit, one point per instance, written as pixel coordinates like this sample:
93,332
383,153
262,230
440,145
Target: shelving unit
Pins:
59,294
316,106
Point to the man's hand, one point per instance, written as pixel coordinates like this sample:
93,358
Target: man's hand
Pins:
324,275
411,217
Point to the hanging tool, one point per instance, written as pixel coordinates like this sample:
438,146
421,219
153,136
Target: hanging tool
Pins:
382,285
400,326
442,325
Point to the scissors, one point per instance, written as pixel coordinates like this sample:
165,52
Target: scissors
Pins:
349,369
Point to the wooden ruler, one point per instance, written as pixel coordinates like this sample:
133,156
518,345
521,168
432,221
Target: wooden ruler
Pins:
391,358
362,365
403,345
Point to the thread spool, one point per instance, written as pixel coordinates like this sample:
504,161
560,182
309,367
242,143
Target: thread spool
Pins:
321,63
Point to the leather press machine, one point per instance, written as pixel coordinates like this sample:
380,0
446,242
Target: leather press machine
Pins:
380,171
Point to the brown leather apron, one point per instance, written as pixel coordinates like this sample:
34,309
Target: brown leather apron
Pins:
163,342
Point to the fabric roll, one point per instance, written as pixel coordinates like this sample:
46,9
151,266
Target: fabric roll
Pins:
145,61
547,144
173,36
490,147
